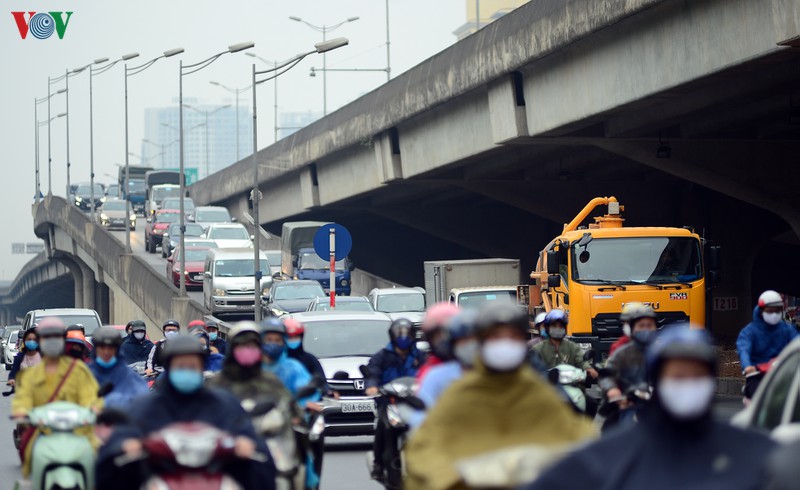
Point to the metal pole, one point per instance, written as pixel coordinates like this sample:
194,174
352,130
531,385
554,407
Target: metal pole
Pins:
477,15
256,219
66,80
208,168
91,144
36,152
49,153
126,189
182,184
237,125
275,97
388,43
324,74
332,283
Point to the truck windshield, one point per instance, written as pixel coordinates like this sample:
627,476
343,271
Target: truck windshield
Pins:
638,260
311,261
160,193
136,187
477,299
401,303
237,267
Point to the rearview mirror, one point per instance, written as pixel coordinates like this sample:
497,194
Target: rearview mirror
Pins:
714,261
207,274
252,237
553,281
233,220
552,262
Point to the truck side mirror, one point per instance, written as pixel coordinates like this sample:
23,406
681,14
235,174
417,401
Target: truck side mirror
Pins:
714,260
552,262
553,281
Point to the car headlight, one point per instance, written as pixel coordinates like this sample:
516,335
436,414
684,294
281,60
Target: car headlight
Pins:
103,199
264,291
344,282
278,312
133,217
157,231
219,292
78,199
104,216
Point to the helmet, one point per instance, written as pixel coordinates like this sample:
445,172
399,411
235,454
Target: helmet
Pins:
181,345
770,298
634,311
171,323
679,342
539,318
199,332
502,313
243,332
106,336
212,324
196,324
77,337
77,327
294,328
272,325
554,316
438,316
460,327
51,326
402,327
137,326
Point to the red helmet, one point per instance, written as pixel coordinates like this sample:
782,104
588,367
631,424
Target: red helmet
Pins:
293,327
196,324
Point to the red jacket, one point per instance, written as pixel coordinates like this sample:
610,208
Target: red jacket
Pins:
432,361
619,343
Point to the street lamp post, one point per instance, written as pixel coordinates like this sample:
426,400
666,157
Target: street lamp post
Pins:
49,155
40,124
276,71
324,30
207,114
129,72
183,71
162,148
236,91
274,95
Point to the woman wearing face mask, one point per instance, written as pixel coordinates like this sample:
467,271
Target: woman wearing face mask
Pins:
57,378
109,370
28,355
491,408
763,339
136,346
558,349
677,443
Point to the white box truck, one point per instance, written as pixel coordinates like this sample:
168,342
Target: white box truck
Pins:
469,283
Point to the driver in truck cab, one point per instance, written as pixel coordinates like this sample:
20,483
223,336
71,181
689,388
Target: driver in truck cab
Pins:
558,349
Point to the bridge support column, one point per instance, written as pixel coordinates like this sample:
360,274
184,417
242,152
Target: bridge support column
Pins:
102,302
87,287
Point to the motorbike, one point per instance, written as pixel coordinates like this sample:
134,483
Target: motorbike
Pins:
396,402
610,414
752,380
140,368
573,382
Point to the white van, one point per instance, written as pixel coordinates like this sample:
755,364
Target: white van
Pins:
228,280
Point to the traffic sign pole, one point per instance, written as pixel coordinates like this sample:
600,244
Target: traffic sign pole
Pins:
333,267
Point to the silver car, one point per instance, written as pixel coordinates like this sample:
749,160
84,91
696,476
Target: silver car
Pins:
11,349
408,303
114,215
228,281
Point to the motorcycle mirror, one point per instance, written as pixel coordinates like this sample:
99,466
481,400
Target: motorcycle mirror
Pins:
105,389
306,391
414,402
263,407
588,355
553,375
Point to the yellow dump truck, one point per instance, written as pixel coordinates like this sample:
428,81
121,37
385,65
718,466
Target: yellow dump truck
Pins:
593,271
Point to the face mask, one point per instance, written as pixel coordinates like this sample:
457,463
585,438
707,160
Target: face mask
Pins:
644,337
403,343
686,399
273,351
212,336
247,356
74,351
441,349
138,335
466,352
52,347
503,354
558,333
294,344
186,380
106,364
772,318
170,334
626,330
31,344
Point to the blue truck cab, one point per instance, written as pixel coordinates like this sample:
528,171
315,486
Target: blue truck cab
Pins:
309,265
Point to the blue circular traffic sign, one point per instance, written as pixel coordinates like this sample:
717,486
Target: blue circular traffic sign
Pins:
322,241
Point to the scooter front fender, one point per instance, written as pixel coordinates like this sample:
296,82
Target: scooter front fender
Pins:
64,477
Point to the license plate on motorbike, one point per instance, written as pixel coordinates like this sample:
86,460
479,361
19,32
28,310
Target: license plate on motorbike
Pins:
357,407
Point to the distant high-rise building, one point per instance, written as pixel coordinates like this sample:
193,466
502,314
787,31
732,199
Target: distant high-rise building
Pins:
206,148
289,122
483,12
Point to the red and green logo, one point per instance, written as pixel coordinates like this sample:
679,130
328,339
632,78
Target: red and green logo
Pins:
42,25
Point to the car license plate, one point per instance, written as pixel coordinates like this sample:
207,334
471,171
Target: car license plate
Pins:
357,407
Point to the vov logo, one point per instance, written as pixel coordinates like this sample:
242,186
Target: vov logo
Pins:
41,25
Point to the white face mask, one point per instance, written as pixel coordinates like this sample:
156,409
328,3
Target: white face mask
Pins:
503,354
170,334
466,352
772,318
686,399
138,335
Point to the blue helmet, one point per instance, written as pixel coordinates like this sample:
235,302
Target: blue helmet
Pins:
460,327
556,315
272,325
679,342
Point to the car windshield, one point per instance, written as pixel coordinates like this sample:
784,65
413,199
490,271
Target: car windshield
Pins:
192,229
161,193
198,243
638,260
85,190
314,262
114,206
229,234
168,217
175,203
89,322
287,291
12,339
476,299
274,258
338,338
213,216
237,267
401,302
113,190
344,306
196,256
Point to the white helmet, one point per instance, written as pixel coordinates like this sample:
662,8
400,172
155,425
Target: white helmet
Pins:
770,298
539,318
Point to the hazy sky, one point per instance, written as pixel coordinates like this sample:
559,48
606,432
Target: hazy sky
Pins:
419,29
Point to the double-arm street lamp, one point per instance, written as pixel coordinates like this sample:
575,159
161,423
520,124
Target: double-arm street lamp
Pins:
278,70
207,114
49,154
185,70
161,147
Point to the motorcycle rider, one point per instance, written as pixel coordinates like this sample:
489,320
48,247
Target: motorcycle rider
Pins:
295,331
183,398
763,338
136,347
677,443
76,345
557,349
213,360
57,378
213,335
628,362
171,328
88,347
433,328
399,358
28,355
277,361
107,369
490,408
537,330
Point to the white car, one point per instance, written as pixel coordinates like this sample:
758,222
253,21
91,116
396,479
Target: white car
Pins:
229,235
408,303
10,350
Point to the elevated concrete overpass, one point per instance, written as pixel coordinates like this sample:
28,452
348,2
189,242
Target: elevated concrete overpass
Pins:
688,112
25,292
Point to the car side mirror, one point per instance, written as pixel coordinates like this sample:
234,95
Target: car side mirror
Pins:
252,237
207,274
233,220
714,262
351,266
277,276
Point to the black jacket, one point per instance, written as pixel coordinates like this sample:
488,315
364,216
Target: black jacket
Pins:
133,350
387,365
166,406
310,362
660,453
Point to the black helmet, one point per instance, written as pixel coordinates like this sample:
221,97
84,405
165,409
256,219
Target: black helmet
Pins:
502,313
679,342
272,325
76,326
137,326
106,336
402,327
182,345
171,323
212,324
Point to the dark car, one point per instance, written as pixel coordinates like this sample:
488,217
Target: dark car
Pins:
83,196
156,226
195,260
292,296
343,303
171,237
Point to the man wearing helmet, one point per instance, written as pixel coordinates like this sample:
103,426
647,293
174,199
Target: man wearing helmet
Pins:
558,349
490,409
677,443
109,370
136,347
295,331
217,342
276,360
433,328
399,358
154,359
183,398
763,338
213,359
537,330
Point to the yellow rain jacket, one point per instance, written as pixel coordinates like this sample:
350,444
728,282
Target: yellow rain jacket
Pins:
486,412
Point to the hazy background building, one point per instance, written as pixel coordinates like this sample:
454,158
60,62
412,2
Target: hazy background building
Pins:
483,12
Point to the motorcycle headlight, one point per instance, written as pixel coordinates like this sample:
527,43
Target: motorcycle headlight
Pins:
219,292
103,199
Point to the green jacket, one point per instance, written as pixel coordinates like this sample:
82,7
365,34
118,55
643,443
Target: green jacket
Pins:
568,353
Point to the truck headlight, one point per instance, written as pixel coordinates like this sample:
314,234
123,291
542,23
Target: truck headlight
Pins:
219,292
